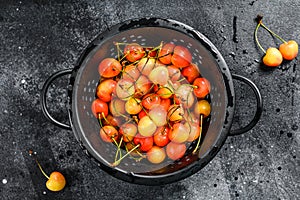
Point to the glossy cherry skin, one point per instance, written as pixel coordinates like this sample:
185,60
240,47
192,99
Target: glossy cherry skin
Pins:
109,67
289,50
56,182
273,57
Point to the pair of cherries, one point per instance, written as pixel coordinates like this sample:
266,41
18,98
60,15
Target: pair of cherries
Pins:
273,57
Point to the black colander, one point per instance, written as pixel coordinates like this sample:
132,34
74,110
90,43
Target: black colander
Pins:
151,32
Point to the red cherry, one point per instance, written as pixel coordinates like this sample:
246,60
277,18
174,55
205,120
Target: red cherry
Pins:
160,137
134,52
150,100
181,57
191,72
99,108
105,89
175,150
165,53
146,143
109,67
202,87
108,134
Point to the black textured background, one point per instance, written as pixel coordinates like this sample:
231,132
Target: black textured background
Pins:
38,38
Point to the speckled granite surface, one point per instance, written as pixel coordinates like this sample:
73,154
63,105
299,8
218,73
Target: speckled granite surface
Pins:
39,38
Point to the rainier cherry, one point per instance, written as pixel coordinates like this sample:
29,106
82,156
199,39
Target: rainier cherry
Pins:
56,181
181,57
146,126
289,50
165,53
175,150
108,133
156,155
109,67
134,52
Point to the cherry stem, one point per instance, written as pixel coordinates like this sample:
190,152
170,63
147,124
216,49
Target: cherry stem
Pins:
42,169
256,39
119,152
135,158
39,165
280,38
199,139
99,119
118,161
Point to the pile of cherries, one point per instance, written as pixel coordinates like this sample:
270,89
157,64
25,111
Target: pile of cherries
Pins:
151,101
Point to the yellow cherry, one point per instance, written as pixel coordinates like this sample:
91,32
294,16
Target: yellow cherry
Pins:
289,50
273,57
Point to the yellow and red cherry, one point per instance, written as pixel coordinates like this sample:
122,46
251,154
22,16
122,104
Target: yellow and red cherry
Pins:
105,89
146,126
289,49
145,143
134,52
202,87
133,106
165,92
179,133
109,67
99,108
156,155
181,57
175,150
165,54
175,113
56,181
158,114
202,107
146,65
160,137
109,133
128,131
191,72
273,57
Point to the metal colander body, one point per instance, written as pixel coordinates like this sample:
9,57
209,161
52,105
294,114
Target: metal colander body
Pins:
151,32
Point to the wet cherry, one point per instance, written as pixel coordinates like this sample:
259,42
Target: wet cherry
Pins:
156,155
99,108
165,53
175,150
134,52
109,67
202,87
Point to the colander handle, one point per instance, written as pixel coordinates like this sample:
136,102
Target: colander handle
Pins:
259,106
44,97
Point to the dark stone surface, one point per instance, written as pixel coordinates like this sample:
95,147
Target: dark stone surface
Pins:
39,38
